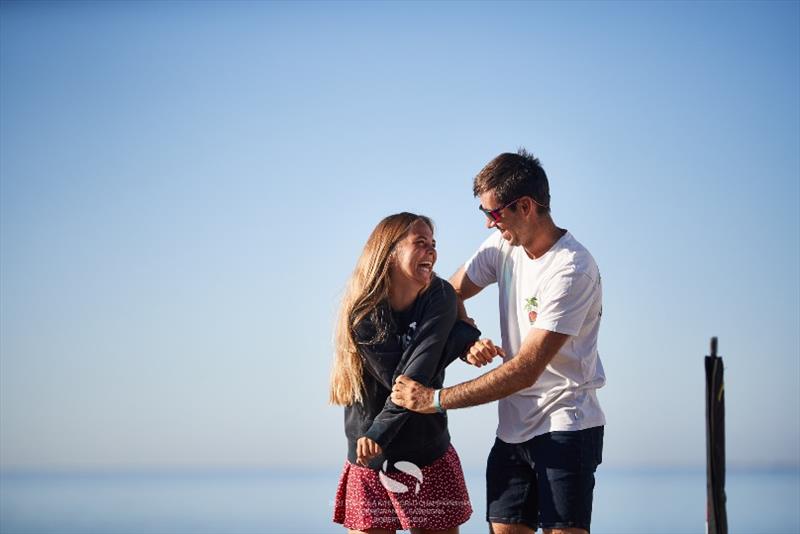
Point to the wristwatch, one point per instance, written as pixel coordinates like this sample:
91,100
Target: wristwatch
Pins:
437,403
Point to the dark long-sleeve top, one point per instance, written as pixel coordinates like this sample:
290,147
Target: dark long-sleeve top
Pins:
419,342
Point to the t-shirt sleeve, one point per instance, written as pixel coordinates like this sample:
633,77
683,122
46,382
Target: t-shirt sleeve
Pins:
565,301
482,268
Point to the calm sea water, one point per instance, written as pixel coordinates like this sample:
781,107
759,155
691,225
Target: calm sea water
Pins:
282,502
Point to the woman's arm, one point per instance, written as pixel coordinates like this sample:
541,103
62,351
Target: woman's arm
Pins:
379,358
421,360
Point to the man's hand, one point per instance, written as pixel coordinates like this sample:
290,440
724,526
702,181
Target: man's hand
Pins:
366,450
482,351
412,395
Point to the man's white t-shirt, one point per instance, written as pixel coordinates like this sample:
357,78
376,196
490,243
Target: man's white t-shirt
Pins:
561,292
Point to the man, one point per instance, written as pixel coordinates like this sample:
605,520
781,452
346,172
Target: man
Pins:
540,472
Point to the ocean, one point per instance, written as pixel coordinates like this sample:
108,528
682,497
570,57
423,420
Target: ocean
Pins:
279,501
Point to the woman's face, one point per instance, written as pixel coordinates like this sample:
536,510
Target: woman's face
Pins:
414,257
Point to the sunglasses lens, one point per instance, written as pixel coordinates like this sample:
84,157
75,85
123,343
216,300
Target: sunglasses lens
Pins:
492,215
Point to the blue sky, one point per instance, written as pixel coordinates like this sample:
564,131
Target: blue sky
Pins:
185,187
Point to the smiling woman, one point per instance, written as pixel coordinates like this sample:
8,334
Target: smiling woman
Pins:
412,266
398,317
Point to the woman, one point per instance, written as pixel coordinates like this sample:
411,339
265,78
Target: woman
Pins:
397,317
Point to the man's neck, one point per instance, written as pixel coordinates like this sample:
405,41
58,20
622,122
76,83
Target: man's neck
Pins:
544,239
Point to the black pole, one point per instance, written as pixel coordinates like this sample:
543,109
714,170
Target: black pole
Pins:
716,515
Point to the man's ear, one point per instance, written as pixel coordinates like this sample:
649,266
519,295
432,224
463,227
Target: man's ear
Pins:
527,205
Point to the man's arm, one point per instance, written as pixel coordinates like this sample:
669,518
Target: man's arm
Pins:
465,288
538,348
482,351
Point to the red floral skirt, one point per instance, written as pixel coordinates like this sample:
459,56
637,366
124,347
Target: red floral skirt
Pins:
433,497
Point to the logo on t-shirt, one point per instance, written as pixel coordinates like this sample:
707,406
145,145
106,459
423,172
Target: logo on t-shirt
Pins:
532,307
405,339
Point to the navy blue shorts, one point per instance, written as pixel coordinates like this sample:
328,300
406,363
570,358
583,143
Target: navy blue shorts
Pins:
545,482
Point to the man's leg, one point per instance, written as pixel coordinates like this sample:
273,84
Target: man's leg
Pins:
565,463
510,490
501,528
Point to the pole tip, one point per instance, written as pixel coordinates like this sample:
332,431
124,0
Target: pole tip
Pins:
714,346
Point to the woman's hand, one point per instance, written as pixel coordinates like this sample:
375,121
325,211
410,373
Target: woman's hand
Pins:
366,450
482,351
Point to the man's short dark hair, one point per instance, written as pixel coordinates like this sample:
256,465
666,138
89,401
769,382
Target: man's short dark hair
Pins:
512,176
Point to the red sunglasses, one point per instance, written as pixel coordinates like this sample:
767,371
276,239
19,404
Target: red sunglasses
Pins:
494,215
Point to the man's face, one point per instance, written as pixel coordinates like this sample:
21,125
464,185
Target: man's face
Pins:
510,222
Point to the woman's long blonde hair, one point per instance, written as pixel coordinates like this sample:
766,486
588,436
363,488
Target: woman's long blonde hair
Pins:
367,288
